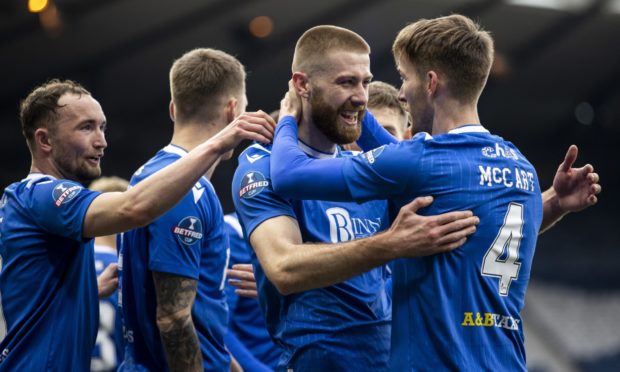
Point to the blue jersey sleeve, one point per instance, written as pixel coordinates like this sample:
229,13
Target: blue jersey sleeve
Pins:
373,134
377,174
175,240
254,198
60,207
384,172
295,174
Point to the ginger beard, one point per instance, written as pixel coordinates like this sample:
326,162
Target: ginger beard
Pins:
332,121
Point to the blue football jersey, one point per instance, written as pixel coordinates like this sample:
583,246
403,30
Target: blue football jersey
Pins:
341,327
49,298
187,241
108,351
458,310
246,322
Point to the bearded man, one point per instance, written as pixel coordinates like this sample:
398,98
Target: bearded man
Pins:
325,304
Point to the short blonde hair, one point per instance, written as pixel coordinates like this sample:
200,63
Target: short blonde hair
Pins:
109,184
201,80
317,42
384,95
454,45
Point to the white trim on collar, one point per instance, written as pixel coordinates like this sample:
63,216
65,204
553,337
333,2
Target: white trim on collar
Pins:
469,128
35,176
174,149
314,152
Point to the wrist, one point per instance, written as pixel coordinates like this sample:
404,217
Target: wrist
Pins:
552,204
382,248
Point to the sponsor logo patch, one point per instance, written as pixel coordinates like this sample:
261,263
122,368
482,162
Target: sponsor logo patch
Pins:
373,154
499,150
64,192
188,230
253,183
484,319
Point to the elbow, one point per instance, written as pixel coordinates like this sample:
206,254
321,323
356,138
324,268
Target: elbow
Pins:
284,280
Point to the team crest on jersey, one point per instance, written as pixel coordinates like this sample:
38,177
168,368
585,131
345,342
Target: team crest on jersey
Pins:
253,183
373,154
188,230
64,192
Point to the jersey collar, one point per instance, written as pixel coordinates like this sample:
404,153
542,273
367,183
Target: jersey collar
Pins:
174,149
469,128
34,176
310,151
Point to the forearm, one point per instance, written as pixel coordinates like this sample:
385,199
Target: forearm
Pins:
320,265
112,213
297,176
181,344
162,190
373,134
552,212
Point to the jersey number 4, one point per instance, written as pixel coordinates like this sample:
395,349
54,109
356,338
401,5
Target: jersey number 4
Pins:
500,261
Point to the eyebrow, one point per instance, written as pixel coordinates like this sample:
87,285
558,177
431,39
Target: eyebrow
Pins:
353,76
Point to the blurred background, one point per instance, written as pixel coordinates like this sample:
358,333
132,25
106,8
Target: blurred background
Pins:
555,81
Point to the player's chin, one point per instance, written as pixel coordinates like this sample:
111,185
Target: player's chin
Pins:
90,173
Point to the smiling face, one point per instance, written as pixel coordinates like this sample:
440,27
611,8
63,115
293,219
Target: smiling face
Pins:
77,137
339,94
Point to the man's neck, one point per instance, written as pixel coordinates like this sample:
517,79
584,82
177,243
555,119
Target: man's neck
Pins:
48,167
309,134
452,114
190,135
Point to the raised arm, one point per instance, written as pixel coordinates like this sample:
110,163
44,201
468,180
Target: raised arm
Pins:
373,134
293,268
175,297
296,175
573,190
111,213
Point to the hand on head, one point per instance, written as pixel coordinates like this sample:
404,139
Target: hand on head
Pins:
291,103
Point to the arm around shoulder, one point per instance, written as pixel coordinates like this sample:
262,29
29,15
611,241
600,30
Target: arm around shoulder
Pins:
113,213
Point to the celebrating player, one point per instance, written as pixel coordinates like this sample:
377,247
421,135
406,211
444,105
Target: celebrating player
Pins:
461,309
173,270
49,314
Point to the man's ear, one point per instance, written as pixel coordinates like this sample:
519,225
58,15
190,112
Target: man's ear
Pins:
43,140
432,83
301,84
231,109
171,111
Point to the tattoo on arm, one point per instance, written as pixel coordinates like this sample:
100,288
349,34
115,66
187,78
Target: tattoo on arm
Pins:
175,297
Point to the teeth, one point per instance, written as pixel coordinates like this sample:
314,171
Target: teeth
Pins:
349,115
